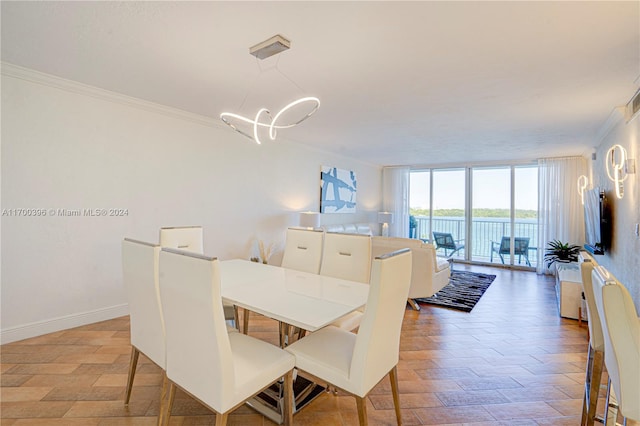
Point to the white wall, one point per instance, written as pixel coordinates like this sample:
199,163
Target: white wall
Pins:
623,258
67,146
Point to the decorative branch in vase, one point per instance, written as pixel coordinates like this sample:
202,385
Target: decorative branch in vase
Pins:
258,252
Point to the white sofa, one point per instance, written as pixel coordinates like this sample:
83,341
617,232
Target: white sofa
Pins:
349,228
429,273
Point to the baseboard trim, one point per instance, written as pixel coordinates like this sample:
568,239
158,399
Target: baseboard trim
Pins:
39,328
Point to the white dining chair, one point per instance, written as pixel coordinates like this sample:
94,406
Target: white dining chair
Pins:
191,238
188,238
140,277
221,370
595,354
347,256
621,333
302,252
357,362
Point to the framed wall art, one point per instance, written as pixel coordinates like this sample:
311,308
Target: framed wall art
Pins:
338,190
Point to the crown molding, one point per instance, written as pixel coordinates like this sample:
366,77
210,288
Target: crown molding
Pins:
33,76
615,117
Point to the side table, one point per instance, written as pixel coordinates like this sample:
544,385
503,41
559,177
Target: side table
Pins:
569,290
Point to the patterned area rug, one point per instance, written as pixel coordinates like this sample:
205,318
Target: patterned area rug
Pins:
463,291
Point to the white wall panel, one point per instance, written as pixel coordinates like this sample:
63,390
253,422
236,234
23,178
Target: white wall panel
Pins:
73,149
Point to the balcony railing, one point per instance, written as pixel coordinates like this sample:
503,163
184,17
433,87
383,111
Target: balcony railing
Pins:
485,231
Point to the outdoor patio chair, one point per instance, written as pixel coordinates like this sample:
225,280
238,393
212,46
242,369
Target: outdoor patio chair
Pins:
520,248
445,241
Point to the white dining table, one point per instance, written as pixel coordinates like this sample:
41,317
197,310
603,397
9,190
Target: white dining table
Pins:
300,299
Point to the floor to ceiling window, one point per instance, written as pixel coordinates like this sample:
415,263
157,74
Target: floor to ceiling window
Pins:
491,214
448,229
477,214
526,208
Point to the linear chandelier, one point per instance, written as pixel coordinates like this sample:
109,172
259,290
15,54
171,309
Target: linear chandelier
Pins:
263,118
271,123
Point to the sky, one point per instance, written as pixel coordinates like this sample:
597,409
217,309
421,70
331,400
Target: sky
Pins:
491,188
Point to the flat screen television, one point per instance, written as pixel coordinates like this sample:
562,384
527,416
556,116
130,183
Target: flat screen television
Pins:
596,221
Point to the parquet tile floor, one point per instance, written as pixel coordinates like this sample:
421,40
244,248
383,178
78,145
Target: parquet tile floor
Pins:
511,361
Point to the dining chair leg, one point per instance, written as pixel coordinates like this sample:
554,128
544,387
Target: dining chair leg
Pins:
361,403
393,377
595,362
163,397
245,321
282,333
290,333
221,419
610,417
301,333
166,416
236,317
287,409
133,363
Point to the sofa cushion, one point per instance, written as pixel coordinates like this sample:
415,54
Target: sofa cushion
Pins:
350,228
363,228
333,228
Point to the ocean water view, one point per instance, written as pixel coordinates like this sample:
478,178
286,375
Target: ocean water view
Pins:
484,231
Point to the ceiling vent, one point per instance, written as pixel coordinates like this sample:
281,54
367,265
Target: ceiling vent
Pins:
633,106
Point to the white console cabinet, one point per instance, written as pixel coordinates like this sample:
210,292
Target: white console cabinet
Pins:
569,290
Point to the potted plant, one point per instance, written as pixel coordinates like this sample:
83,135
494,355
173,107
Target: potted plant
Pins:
560,252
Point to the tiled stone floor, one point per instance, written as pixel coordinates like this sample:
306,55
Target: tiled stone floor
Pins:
511,361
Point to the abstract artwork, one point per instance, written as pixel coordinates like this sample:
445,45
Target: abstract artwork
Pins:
337,190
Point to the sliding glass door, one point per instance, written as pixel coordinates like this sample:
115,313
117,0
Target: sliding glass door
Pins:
525,204
448,229
477,214
491,214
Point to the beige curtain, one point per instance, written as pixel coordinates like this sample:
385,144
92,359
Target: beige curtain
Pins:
395,199
560,211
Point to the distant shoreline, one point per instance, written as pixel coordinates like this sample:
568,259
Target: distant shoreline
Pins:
477,213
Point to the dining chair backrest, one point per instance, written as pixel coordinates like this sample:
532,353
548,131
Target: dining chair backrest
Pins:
303,250
377,345
198,348
140,277
595,328
621,332
346,256
187,238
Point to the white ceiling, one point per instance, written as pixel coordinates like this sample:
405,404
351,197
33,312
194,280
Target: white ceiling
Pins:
421,83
